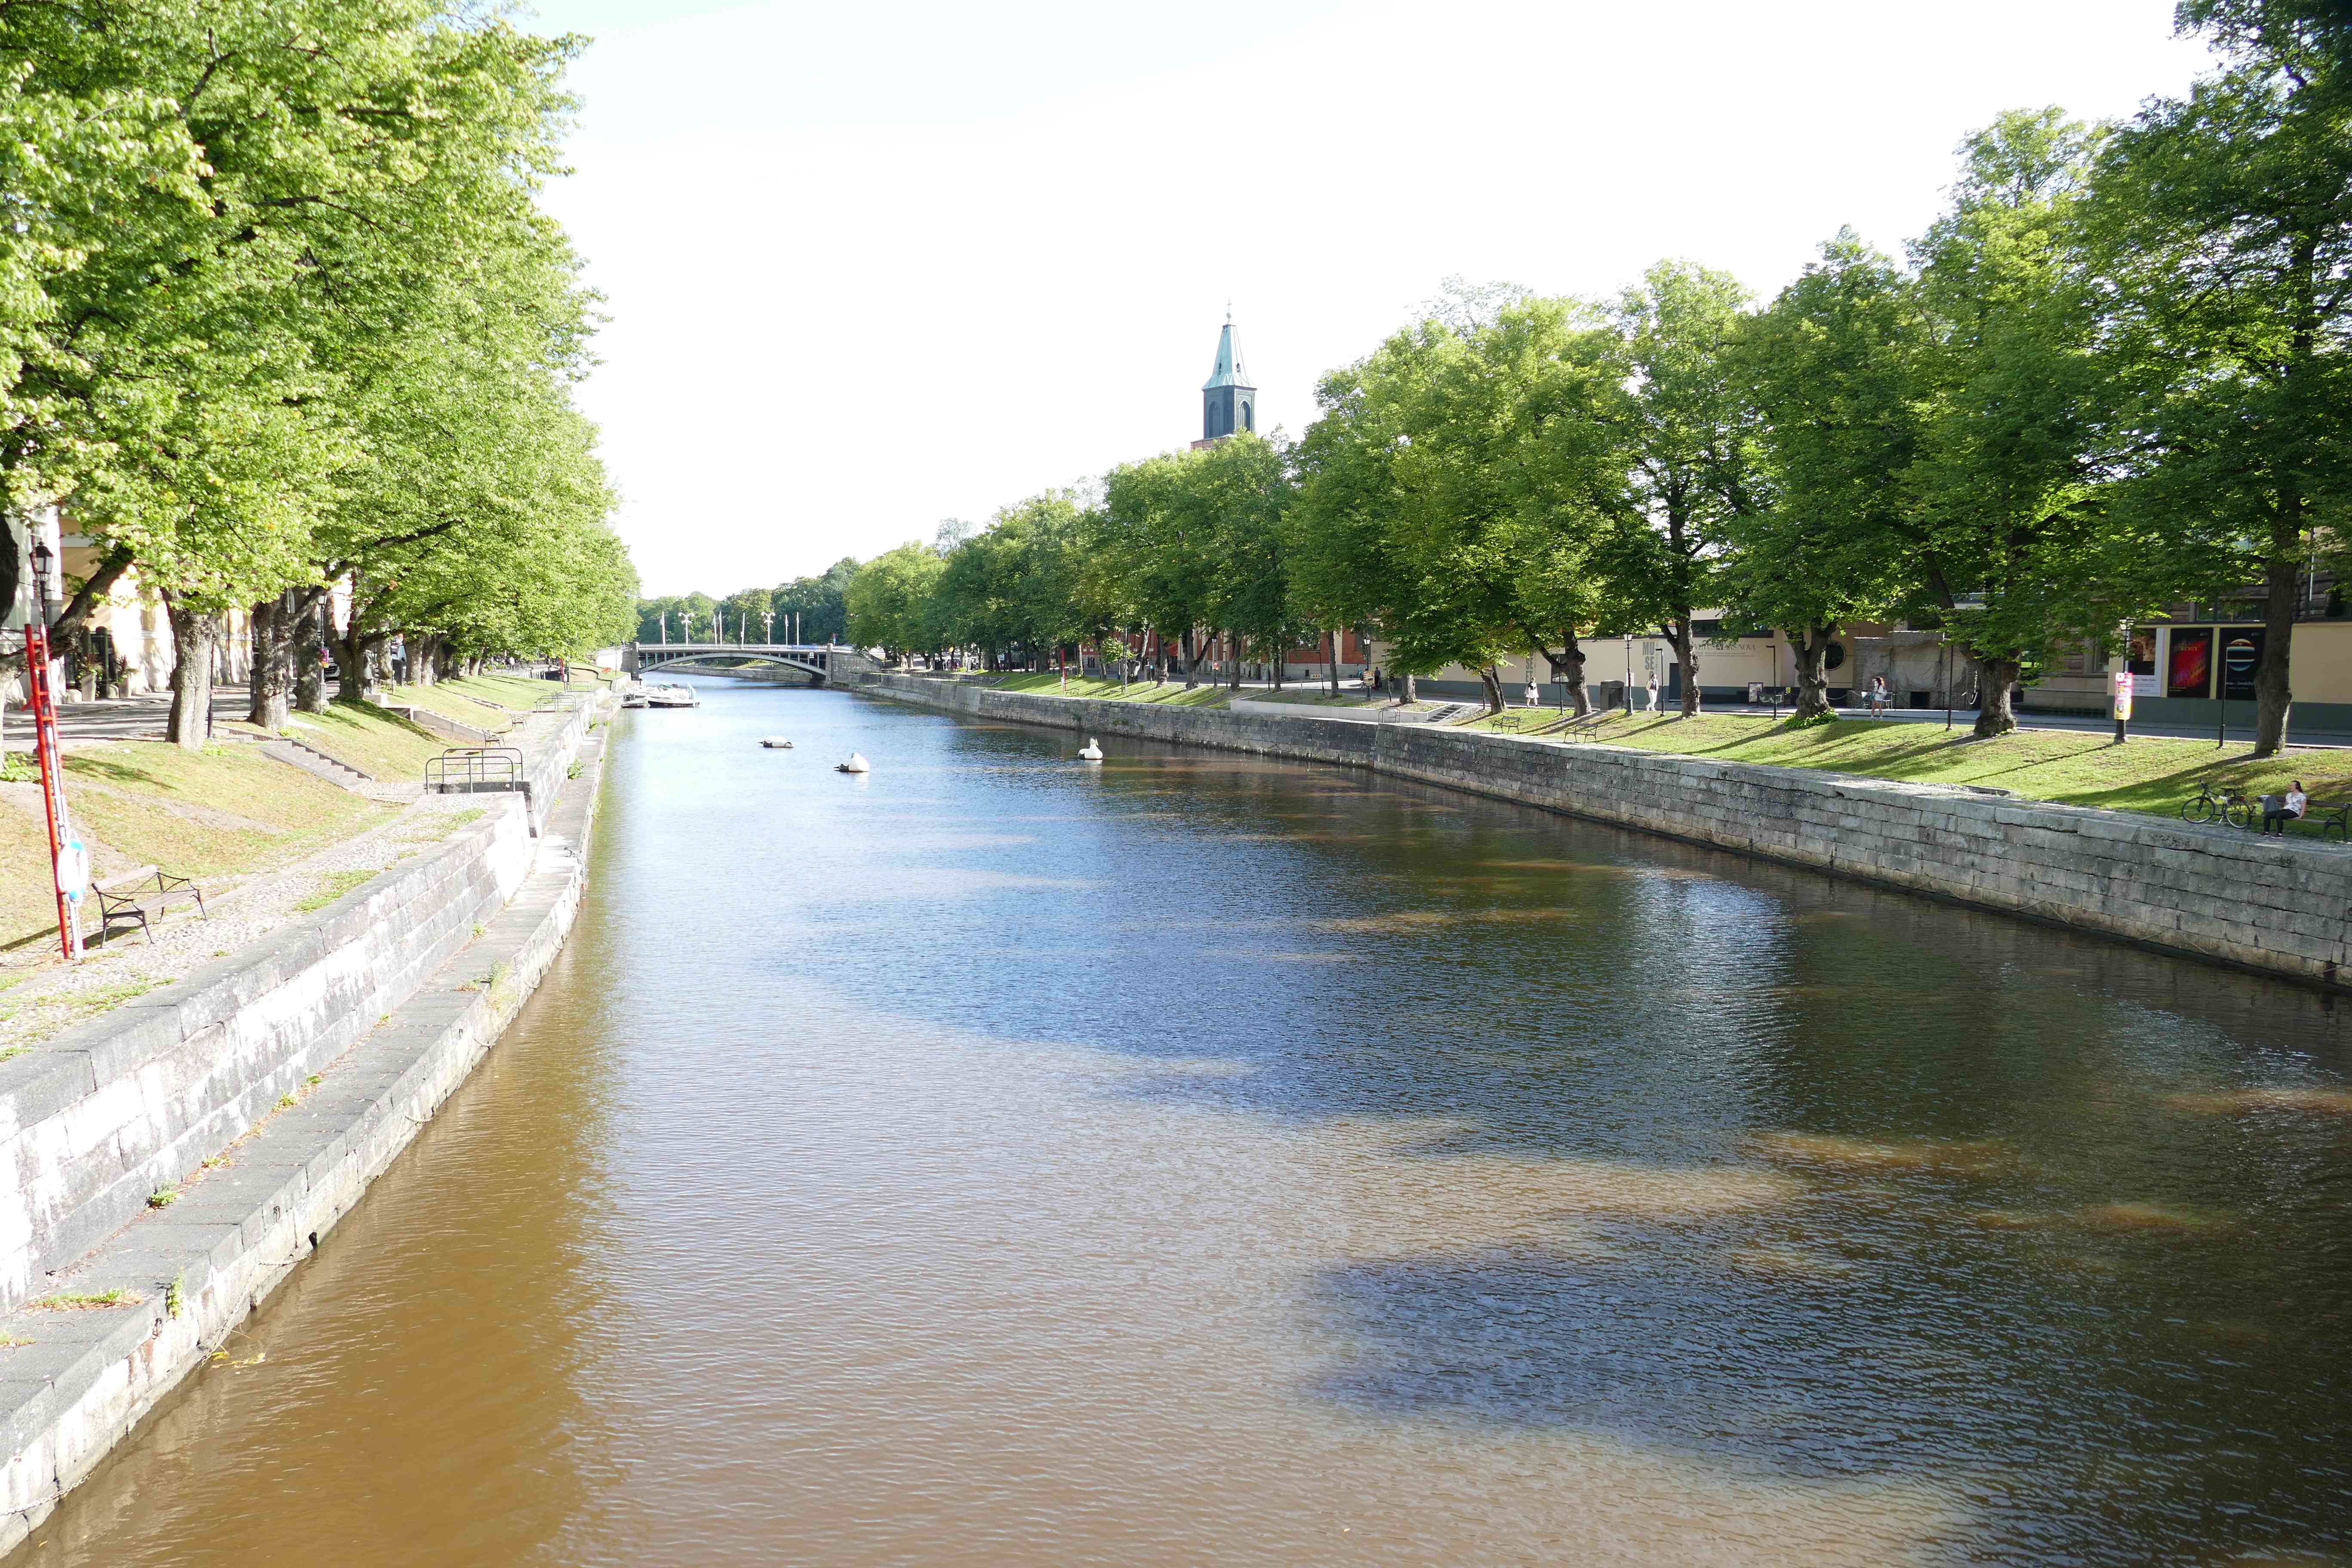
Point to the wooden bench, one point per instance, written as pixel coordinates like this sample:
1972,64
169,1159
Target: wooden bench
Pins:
130,901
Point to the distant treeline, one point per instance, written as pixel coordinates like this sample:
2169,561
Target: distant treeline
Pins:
755,614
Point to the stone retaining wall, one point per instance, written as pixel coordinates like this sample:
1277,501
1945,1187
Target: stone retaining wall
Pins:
2279,906
97,1118
323,1048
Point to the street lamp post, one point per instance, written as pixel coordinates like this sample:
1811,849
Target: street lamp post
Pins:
768,626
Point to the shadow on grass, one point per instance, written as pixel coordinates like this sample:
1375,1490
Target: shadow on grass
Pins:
347,715
112,771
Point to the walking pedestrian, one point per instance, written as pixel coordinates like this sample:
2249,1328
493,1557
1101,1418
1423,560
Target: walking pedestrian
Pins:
1878,697
1533,696
1652,688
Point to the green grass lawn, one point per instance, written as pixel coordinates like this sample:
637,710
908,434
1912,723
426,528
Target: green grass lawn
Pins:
516,691
1204,694
225,810
383,745
2081,768
1315,697
447,699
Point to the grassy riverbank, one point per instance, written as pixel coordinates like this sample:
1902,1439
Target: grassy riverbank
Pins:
384,746
2150,773
225,811
1174,692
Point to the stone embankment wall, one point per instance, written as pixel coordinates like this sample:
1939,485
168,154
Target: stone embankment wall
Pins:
2279,906
312,1057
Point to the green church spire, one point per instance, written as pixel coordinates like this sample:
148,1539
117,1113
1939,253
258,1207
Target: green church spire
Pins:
1228,401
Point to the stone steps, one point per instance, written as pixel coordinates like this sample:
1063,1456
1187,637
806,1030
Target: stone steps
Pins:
311,760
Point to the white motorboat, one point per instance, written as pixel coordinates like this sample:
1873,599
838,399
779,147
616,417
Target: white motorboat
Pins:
855,764
777,744
672,696
1091,752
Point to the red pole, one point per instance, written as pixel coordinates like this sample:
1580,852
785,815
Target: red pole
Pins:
53,779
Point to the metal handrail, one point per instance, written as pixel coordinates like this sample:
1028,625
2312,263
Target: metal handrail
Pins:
474,767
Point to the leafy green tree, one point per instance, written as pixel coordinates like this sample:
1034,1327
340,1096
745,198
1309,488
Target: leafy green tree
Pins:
1467,493
818,605
1160,550
1832,368
1693,438
890,599
1404,464
745,615
1238,494
314,165
1577,541
2223,225
2007,493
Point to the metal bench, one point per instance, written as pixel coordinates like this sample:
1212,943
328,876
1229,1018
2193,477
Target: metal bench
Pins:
130,901
2331,816
2334,817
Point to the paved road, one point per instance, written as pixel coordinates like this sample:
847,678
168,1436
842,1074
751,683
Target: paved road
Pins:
123,718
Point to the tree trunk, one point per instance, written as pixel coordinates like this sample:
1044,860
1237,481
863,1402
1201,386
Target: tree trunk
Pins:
1335,661
1812,647
1494,685
2272,696
350,663
271,684
193,636
1996,715
306,635
1567,668
1678,634
1411,694
1191,662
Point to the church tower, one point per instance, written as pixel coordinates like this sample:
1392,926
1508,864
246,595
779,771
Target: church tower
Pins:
1228,402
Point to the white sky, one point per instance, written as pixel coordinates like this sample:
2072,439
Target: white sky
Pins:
872,265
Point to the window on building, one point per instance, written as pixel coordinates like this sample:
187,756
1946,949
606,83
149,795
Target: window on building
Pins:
1249,419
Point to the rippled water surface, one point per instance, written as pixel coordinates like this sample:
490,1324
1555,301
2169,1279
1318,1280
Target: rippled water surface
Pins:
1196,1159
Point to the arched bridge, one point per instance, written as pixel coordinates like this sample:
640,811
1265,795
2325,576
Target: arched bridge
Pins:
823,663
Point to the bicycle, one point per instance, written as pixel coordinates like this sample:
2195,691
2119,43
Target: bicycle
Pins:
2237,810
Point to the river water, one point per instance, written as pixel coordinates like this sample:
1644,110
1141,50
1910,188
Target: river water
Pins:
1196,1159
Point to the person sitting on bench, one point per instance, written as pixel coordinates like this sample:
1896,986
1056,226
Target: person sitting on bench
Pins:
2279,810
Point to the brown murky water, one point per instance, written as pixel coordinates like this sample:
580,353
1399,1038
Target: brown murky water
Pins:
996,1160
